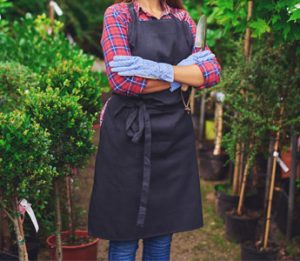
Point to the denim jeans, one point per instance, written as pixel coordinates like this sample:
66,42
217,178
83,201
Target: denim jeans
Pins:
154,249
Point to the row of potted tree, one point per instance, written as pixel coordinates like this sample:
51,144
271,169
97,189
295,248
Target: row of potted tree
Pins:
261,86
50,102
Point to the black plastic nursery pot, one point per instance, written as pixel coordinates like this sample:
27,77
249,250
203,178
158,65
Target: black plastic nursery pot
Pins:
32,250
250,252
226,202
241,228
281,213
212,167
8,256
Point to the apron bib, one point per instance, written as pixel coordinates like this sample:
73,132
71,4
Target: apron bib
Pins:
146,180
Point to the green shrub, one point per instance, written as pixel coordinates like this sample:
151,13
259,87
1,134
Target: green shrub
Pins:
25,170
73,77
15,79
69,127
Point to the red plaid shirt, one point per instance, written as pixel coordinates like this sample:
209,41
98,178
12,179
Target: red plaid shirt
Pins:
114,41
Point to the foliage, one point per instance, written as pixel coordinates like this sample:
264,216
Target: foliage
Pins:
24,159
69,127
14,76
255,92
4,6
227,22
82,19
73,77
59,63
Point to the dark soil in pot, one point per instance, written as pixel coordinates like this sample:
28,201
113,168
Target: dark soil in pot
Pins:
251,252
226,202
212,167
85,249
241,228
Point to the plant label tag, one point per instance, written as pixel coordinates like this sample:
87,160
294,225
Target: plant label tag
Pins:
56,7
24,205
281,163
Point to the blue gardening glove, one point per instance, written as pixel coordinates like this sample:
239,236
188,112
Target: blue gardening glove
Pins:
200,56
137,66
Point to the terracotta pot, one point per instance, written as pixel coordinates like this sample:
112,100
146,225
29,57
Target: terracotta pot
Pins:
96,126
87,251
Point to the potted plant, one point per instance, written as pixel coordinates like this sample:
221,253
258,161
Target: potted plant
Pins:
71,132
278,101
25,169
14,81
213,163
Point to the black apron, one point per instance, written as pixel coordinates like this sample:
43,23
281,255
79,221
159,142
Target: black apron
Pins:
146,179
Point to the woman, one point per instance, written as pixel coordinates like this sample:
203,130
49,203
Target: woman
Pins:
146,183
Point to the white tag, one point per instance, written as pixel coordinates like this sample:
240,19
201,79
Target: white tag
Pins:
56,7
281,163
220,96
27,206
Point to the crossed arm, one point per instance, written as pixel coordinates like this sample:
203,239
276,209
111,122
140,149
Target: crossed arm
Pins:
114,42
190,75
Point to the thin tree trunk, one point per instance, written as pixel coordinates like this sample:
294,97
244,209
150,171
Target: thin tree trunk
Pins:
235,183
58,249
241,167
18,226
219,127
70,208
247,44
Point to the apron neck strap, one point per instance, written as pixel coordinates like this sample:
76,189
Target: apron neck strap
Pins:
135,17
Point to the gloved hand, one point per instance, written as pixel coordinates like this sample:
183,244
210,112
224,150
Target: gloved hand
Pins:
200,56
137,66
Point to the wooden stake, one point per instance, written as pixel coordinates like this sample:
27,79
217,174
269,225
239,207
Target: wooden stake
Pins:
202,119
192,97
219,128
235,184
243,187
51,16
272,182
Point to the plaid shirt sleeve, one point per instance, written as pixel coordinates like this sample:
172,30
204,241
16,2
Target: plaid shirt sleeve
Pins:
210,69
114,41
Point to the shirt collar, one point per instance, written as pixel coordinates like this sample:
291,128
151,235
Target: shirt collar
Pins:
165,6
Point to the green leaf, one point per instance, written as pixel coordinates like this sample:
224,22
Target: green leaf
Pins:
259,27
295,16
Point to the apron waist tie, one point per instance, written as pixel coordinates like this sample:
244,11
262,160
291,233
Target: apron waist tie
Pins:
137,123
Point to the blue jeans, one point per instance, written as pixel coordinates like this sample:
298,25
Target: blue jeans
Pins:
154,249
